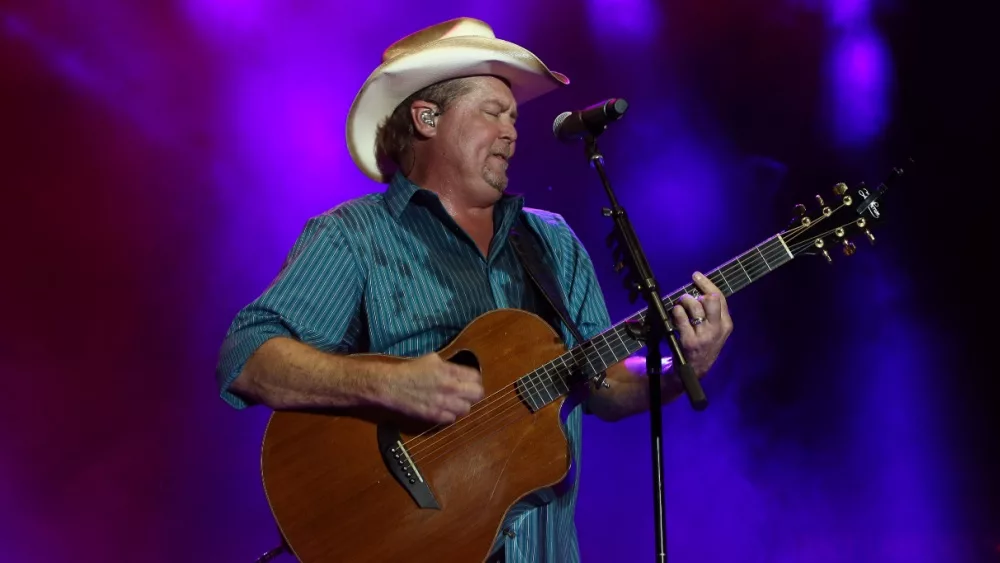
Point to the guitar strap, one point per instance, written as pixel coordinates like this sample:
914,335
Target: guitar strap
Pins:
527,247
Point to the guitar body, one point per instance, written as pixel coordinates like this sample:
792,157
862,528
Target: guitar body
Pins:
335,499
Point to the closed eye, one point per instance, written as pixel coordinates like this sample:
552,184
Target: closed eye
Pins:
497,108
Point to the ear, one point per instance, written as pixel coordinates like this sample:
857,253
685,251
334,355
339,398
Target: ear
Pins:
424,116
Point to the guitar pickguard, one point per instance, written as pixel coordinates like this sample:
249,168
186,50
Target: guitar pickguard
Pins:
403,468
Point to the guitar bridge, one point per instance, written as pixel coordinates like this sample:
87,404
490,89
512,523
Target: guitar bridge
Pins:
402,467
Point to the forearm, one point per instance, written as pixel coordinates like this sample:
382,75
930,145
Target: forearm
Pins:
629,391
286,374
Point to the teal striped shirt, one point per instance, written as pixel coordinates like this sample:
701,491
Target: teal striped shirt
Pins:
393,273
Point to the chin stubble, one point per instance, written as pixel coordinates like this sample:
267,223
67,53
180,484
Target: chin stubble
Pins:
498,183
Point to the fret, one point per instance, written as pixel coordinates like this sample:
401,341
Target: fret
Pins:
557,381
587,348
738,273
596,352
735,273
545,386
593,357
538,386
776,253
757,248
602,339
745,273
726,290
579,358
565,366
620,339
556,377
524,387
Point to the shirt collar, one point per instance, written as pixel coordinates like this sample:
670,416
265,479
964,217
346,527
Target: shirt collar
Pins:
401,191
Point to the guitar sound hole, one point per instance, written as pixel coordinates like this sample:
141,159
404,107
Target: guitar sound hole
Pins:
466,358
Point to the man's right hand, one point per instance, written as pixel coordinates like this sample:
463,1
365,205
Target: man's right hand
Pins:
432,389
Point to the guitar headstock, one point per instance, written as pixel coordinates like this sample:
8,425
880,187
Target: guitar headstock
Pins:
838,220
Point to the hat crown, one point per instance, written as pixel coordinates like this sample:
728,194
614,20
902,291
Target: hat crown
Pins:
458,27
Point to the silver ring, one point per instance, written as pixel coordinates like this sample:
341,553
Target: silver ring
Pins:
697,321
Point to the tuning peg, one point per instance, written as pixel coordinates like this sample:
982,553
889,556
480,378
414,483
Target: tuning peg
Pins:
871,237
849,248
800,217
819,199
619,266
840,188
820,243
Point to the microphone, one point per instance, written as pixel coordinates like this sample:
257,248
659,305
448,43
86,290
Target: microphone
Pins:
572,125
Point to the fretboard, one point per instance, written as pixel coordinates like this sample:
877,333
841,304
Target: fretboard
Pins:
587,359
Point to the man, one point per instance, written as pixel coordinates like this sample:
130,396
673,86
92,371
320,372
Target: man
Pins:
402,272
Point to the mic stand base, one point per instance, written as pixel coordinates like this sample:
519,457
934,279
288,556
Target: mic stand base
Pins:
270,554
274,552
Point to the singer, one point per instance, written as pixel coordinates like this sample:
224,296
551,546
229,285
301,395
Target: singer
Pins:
402,272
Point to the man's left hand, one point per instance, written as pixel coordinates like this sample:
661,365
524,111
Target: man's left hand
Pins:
703,324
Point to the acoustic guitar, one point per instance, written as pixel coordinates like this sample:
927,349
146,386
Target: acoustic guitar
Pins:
367,486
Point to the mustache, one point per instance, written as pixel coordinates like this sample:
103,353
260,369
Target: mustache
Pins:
505,151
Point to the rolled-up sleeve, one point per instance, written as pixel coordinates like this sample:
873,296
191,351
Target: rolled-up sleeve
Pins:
315,298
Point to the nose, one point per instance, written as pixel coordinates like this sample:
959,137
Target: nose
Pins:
508,131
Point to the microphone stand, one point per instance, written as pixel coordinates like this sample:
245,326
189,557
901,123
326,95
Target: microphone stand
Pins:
655,328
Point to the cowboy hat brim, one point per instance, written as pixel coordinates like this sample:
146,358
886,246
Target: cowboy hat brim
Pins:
451,57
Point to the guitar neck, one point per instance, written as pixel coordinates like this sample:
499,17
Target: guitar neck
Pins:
552,380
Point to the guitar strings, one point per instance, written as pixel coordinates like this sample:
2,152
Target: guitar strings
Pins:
502,390
506,400
756,270
483,424
477,427
508,397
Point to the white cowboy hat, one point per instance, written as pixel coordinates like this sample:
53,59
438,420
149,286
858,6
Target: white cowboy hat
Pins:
451,49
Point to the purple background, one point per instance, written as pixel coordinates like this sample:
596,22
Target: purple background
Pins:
160,158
